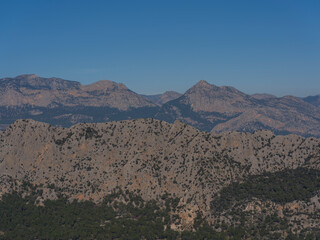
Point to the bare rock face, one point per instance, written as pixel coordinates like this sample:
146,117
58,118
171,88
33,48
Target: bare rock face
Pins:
145,156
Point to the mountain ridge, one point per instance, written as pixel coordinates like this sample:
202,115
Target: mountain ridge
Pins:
205,106
34,90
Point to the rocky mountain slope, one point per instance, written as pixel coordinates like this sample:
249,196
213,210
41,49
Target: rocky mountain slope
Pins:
219,109
152,158
49,92
62,102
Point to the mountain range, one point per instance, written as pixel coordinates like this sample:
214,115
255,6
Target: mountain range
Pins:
205,106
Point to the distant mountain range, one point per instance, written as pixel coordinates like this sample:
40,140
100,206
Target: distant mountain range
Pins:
204,106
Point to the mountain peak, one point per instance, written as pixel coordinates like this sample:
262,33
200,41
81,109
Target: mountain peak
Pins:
203,83
202,86
206,97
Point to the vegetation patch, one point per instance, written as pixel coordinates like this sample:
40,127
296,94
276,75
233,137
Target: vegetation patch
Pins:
280,187
120,216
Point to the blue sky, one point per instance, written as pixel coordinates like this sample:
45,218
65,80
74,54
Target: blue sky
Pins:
151,46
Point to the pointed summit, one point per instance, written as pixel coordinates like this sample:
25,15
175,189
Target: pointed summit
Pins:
206,97
202,86
203,83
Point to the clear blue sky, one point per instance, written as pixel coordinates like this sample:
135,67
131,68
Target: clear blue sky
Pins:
156,45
